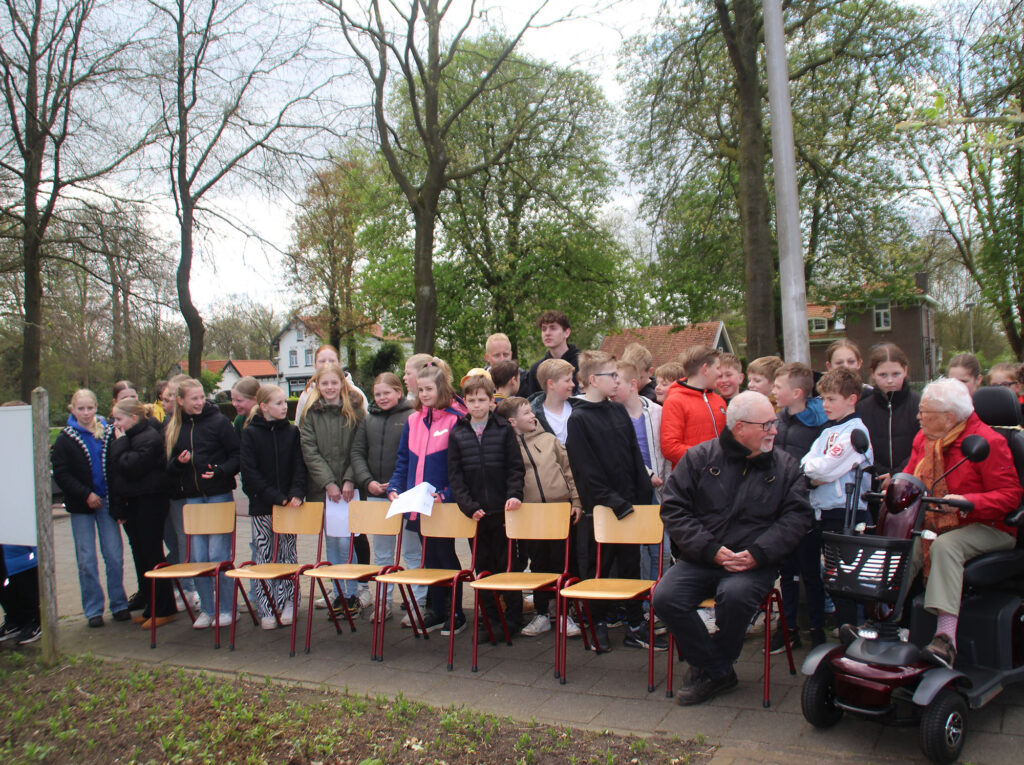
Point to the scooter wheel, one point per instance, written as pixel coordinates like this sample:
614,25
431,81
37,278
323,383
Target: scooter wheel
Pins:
818,699
943,726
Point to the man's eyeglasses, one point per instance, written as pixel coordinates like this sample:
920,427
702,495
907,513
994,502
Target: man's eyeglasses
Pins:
613,375
765,426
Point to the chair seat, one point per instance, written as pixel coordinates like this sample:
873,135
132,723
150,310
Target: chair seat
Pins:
425,576
707,603
607,589
182,570
264,571
343,571
992,568
514,580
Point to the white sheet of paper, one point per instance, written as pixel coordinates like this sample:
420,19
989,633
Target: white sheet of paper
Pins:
419,499
337,518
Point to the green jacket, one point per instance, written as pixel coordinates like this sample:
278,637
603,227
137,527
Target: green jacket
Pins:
326,447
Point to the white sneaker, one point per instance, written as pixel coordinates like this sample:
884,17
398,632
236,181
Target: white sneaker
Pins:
202,621
387,612
268,622
537,626
225,619
407,620
320,603
707,615
572,629
287,614
193,599
365,598
178,602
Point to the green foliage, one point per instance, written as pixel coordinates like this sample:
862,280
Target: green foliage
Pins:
210,380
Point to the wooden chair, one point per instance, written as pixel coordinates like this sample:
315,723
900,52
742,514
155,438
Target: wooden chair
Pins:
306,519
641,527
445,521
531,522
771,600
213,518
363,518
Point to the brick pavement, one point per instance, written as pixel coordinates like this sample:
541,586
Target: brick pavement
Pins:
602,692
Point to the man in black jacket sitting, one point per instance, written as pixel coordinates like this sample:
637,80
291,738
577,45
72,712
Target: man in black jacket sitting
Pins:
735,506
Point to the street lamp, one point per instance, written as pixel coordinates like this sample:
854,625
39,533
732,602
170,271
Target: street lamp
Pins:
970,321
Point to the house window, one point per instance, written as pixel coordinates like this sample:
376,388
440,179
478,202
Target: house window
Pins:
309,357
818,324
883,317
300,334
293,358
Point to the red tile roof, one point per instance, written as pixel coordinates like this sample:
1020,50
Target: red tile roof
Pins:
210,365
815,311
254,367
664,342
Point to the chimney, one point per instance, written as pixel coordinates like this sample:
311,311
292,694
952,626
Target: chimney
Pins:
921,281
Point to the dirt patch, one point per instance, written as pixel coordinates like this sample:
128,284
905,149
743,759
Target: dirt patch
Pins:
90,711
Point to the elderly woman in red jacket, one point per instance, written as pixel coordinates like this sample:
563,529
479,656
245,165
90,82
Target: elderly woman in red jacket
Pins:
947,417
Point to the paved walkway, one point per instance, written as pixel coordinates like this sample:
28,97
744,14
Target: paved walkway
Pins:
603,692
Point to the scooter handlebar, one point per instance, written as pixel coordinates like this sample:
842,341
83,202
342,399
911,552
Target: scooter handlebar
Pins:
959,504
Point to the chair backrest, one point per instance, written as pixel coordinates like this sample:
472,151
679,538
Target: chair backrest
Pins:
998,407
212,518
538,520
641,527
446,520
307,518
366,517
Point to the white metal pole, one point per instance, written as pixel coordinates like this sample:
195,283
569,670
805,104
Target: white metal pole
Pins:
796,346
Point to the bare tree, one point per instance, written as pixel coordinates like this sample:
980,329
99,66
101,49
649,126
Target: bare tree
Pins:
60,63
242,93
412,62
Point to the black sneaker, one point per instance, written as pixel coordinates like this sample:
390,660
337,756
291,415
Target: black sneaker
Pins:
124,615
778,644
431,621
659,625
30,634
603,644
354,606
460,625
9,631
137,602
638,637
617,620
96,621
336,607
817,637
701,688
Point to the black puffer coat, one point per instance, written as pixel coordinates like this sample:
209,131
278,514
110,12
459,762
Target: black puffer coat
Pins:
137,471
720,496
484,473
214,444
273,470
375,448
891,420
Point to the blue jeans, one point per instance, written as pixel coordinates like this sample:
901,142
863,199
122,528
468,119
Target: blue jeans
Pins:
209,548
84,528
174,539
337,549
412,556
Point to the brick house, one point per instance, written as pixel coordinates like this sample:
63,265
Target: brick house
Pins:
910,324
666,342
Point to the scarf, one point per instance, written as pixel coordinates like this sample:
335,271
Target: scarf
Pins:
930,470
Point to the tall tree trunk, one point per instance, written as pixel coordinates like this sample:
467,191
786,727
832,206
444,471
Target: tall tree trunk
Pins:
423,277
194,322
33,245
742,33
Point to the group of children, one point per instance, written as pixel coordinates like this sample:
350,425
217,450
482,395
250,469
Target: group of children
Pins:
596,430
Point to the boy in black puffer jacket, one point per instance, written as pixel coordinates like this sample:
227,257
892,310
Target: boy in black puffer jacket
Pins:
137,466
485,472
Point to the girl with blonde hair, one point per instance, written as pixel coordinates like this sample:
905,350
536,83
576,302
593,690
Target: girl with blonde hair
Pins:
79,458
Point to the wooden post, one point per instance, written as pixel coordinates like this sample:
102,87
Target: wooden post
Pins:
44,525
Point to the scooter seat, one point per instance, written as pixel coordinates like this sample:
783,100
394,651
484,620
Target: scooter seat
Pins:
992,568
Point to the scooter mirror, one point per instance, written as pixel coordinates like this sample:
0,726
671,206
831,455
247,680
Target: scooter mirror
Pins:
974,448
860,441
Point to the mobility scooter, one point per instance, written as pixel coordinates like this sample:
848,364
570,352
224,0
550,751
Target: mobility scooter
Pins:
879,672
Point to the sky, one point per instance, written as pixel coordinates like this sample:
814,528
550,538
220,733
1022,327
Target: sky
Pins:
229,263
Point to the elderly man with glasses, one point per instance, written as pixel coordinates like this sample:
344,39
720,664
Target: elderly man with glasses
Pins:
947,417
735,506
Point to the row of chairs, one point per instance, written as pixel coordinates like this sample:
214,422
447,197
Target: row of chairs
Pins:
531,522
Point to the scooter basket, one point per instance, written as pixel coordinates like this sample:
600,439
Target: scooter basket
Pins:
864,567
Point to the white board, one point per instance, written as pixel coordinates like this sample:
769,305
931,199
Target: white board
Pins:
18,508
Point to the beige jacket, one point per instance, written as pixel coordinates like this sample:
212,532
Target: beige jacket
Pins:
548,476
